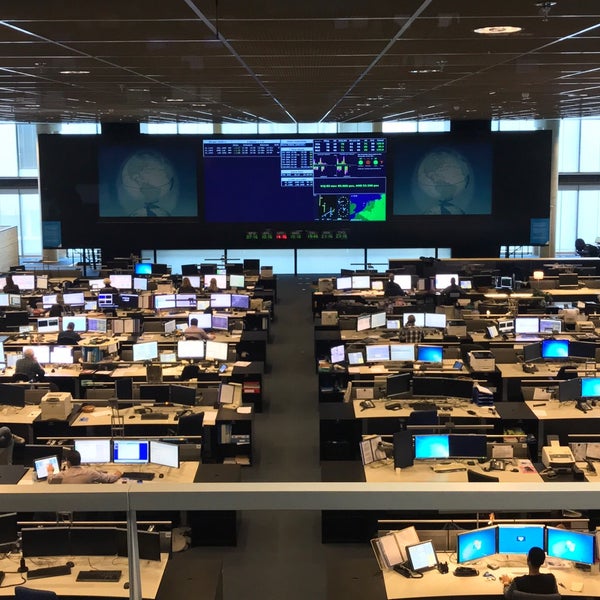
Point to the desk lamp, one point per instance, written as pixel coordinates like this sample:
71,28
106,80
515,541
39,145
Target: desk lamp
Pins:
538,276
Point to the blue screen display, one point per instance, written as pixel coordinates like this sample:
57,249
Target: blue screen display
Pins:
518,539
477,544
555,348
570,545
143,269
432,446
590,387
430,353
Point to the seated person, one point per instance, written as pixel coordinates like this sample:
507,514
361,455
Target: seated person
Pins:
11,287
56,310
108,288
186,287
451,293
212,286
410,333
75,473
391,288
29,366
68,337
534,582
193,332
570,316
7,441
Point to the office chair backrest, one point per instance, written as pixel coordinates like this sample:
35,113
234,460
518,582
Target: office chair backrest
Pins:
24,593
190,424
518,595
423,417
19,377
189,372
477,477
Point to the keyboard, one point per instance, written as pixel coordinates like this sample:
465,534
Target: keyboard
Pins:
56,571
423,405
99,575
153,416
449,468
139,475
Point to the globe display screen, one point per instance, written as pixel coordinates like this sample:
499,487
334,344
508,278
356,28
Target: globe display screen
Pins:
147,180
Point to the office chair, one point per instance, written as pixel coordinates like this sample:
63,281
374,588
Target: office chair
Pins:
190,424
585,250
477,477
189,372
518,595
23,593
423,417
18,377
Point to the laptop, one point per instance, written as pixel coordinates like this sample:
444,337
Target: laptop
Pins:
11,474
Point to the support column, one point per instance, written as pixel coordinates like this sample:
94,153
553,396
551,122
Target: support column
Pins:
554,126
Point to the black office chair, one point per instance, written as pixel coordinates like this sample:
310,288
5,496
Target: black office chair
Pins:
511,594
189,372
585,250
476,476
18,377
190,424
24,593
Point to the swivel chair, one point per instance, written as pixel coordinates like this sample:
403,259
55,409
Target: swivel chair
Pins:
190,424
477,477
24,593
585,250
511,594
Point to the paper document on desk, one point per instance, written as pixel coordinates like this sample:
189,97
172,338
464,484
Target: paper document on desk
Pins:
210,417
100,412
525,466
541,394
241,363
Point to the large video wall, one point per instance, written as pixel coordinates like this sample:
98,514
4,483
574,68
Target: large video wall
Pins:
471,192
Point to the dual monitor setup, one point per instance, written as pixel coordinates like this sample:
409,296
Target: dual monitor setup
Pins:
186,350
375,353
558,349
525,326
130,301
119,452
380,319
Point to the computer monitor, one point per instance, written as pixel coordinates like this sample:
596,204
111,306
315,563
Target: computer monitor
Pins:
41,282
130,452
220,322
48,325
377,352
160,269
93,541
48,300
221,280
216,350
422,556
157,392
187,301
555,349
145,351
398,384
61,355
566,544
142,269
91,305
237,281
140,283
466,284
378,319
437,320
170,326
532,352
590,387
361,282
527,325
241,301
41,353
506,326
363,322
100,325
45,541
164,454
343,283
492,331
79,323
96,284
129,301
431,354
519,539
402,352
148,544
468,446
41,466
25,282
393,324
107,300
568,280
569,389
193,349
428,447
9,530
477,544
404,281
12,394
356,358
164,301
419,319
443,280
184,395
550,326
377,284
338,354
121,281
220,300
578,349
94,450
4,300
74,299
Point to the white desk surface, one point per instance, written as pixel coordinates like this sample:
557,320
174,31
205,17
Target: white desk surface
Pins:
102,416
185,474
12,415
553,410
421,472
151,573
380,369
459,409
434,584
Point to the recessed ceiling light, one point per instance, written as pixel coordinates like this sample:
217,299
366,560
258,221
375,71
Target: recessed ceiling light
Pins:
418,71
74,72
174,99
498,30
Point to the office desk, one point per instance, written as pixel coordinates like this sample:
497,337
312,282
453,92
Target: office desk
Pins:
445,370
458,409
434,584
20,420
384,472
66,586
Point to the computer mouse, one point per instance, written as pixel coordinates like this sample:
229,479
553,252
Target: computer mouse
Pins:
132,416
161,475
126,585
471,463
515,470
471,412
70,564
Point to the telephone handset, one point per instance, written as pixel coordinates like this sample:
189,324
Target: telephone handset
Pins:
497,465
364,404
406,572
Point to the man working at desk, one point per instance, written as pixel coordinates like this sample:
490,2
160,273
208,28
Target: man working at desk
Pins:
29,366
534,582
391,288
193,332
410,333
69,336
75,473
